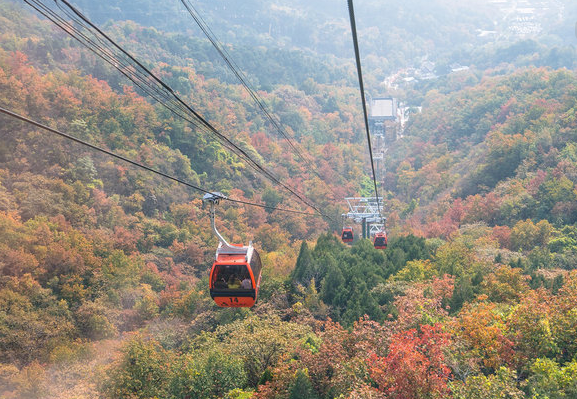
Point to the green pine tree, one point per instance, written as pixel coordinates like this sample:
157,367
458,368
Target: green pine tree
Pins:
302,387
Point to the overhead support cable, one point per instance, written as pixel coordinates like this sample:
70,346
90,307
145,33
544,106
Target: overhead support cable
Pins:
363,102
142,166
107,49
236,70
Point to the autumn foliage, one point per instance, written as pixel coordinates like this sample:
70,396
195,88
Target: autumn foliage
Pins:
103,267
415,364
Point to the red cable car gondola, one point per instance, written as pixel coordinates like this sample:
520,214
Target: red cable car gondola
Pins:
347,234
235,275
380,240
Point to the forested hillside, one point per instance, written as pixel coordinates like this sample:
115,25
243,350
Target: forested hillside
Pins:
104,266
395,35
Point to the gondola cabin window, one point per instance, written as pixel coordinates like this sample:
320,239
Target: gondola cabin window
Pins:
230,276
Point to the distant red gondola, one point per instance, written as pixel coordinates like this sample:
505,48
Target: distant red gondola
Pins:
347,234
380,240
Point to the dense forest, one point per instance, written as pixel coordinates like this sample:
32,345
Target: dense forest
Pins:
104,267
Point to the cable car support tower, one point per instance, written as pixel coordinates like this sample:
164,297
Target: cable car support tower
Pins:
365,211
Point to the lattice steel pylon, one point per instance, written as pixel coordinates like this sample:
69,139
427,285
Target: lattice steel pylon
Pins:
383,123
366,211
